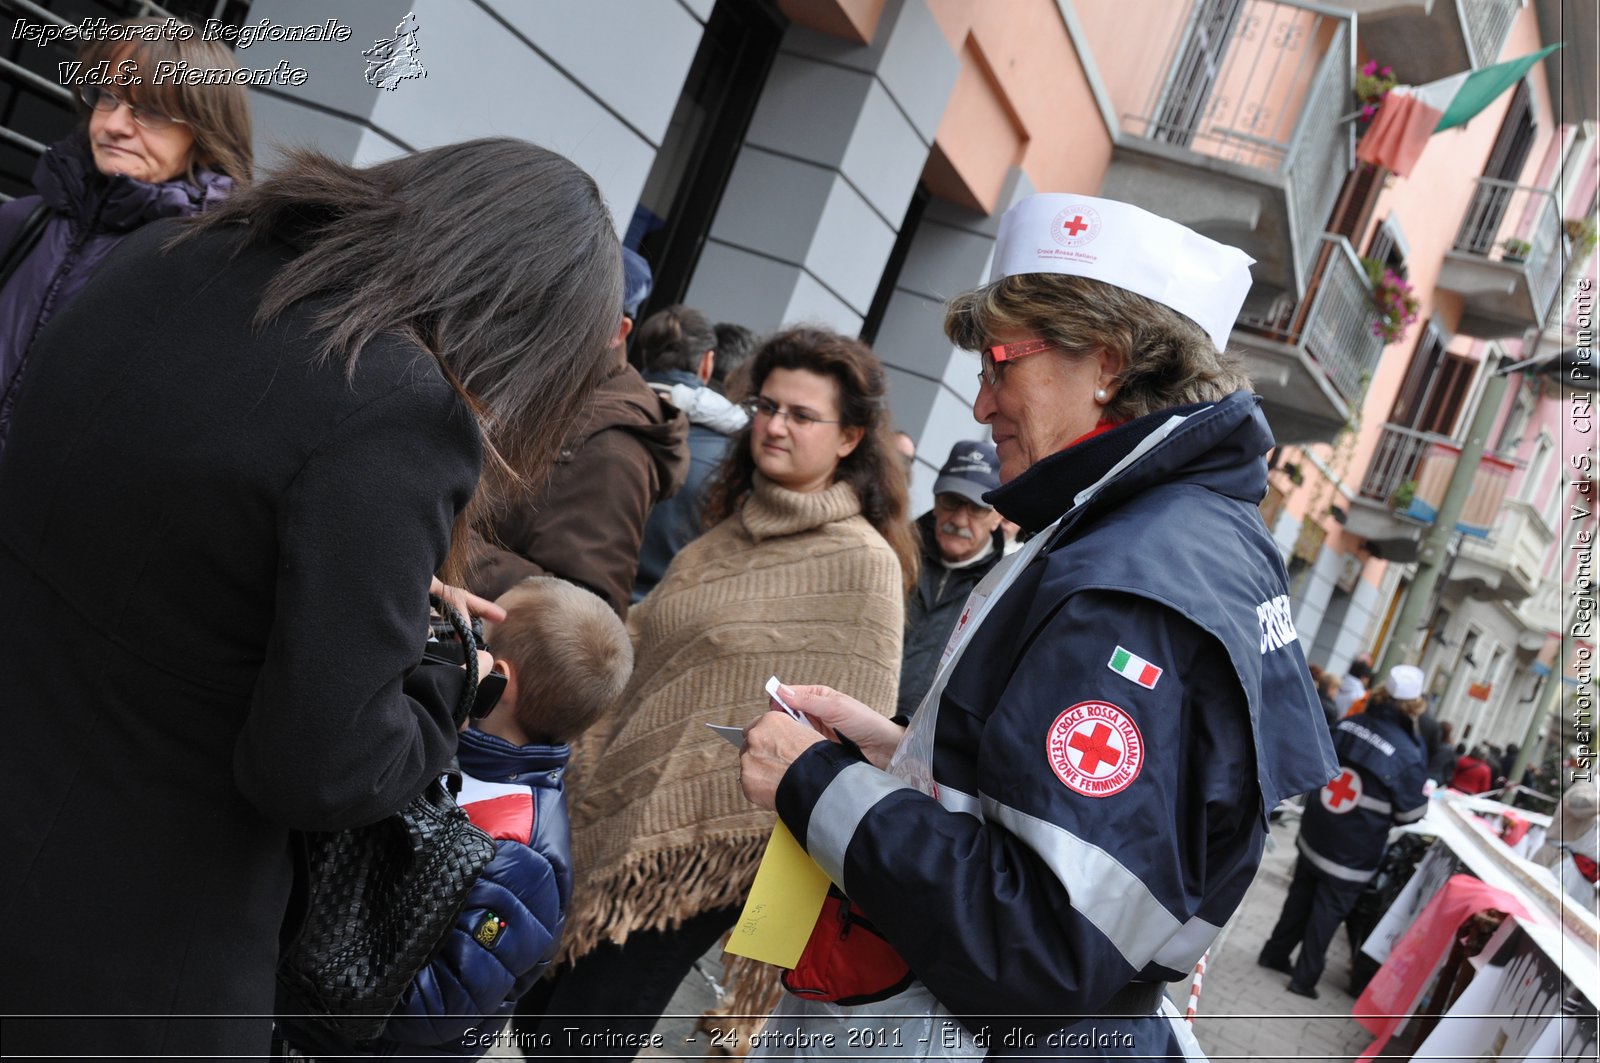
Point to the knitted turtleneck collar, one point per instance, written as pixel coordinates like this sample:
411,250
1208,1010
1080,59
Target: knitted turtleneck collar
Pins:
771,511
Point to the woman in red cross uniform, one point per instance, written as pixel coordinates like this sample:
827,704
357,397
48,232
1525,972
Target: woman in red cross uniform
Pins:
1383,767
1079,802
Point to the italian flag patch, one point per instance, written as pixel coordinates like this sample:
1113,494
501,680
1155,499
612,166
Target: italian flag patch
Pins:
1132,666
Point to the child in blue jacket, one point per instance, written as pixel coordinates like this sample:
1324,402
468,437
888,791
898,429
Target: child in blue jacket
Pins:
567,658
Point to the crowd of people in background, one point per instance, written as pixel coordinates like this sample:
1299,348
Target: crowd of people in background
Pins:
1475,769
439,372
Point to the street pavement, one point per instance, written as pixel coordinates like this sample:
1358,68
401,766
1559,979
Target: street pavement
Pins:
1244,1012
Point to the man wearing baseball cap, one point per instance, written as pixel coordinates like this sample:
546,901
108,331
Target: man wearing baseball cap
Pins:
961,542
1383,767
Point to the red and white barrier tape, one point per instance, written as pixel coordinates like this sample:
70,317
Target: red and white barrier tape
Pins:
1194,988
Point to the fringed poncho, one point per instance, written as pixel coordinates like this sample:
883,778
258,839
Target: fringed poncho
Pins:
795,585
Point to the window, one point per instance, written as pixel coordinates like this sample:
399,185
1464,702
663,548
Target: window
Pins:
1479,232
1517,420
1356,201
1195,71
897,260
1533,477
1435,387
685,185
1388,246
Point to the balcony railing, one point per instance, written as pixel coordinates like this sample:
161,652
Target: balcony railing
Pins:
1333,323
1488,24
1263,85
1394,463
1516,224
1516,544
1411,471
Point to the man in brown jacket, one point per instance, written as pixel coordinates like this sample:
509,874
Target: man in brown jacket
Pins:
630,451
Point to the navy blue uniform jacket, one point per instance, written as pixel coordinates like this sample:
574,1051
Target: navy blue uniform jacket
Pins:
1383,767
1097,819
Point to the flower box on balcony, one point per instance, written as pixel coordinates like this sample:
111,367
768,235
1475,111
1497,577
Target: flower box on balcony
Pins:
1394,300
1515,250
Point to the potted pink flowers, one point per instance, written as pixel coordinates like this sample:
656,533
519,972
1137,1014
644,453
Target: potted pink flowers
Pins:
1393,298
1372,85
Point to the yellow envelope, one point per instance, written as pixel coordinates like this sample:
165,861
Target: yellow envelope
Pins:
784,903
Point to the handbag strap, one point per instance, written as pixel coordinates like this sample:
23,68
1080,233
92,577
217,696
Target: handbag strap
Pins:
27,239
471,635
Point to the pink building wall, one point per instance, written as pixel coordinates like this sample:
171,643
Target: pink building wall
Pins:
1428,206
1021,98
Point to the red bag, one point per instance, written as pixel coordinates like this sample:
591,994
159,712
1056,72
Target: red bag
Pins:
846,960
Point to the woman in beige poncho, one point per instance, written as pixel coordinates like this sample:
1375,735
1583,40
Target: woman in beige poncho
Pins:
803,572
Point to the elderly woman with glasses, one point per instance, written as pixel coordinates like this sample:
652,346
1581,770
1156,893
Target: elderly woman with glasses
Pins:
803,571
148,151
1080,803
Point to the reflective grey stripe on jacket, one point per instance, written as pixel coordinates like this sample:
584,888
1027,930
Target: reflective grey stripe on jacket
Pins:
1109,895
840,810
1412,815
1384,808
1374,804
1330,867
1102,889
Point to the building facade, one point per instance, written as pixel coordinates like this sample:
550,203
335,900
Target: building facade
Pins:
846,162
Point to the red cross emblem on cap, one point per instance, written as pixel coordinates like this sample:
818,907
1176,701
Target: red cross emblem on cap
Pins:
1076,225
1342,794
1095,748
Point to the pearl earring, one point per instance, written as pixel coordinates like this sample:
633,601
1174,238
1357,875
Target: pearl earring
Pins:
1101,396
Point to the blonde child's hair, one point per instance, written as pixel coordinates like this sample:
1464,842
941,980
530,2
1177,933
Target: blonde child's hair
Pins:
571,653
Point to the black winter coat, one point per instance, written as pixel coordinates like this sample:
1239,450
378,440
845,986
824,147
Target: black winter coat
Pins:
932,610
223,551
88,215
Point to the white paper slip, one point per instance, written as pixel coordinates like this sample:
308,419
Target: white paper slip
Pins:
772,692
734,736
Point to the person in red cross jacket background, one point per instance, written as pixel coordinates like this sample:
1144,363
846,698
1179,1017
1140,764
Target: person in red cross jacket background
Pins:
1346,824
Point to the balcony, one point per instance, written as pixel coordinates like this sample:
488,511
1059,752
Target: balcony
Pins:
1507,261
1405,485
1426,42
1237,134
1311,360
1541,611
1505,566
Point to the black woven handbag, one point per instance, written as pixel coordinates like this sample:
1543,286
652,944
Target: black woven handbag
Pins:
379,899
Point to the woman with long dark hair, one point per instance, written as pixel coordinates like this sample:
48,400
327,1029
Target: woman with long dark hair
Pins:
228,532
804,569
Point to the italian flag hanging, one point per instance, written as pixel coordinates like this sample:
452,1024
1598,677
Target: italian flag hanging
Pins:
1130,665
1409,115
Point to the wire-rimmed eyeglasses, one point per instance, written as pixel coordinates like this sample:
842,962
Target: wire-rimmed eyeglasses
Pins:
796,417
100,98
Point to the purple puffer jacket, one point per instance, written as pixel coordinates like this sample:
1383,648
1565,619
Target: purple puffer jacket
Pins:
89,215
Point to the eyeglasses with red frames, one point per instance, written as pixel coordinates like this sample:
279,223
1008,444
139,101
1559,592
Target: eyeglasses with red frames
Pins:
995,358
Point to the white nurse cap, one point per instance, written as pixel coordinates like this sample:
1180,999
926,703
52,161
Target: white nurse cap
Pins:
1125,246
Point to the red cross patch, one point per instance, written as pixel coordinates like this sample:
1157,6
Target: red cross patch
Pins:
1095,749
1078,224
1340,795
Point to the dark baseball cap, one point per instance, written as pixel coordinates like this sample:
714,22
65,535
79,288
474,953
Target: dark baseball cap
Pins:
636,282
972,469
